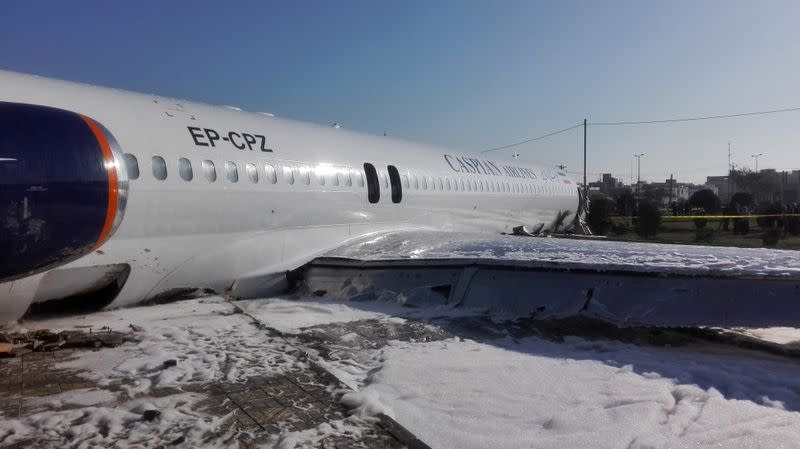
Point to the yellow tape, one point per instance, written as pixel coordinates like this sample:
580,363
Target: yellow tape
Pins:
717,217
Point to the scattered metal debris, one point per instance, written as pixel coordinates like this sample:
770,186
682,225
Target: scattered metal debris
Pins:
17,343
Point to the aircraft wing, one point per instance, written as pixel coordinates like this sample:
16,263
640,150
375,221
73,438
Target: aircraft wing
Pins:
548,278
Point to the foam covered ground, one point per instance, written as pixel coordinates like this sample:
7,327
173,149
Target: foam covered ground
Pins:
498,391
573,253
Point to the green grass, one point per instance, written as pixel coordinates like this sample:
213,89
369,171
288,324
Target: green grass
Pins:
684,232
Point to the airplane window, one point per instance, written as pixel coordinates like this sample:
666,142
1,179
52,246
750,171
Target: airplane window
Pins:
209,171
348,179
360,178
432,183
232,171
252,172
460,184
394,177
185,169
447,184
132,165
159,168
439,183
469,186
339,178
305,175
269,171
288,175
416,182
405,181
480,186
474,185
424,182
320,177
384,180
373,185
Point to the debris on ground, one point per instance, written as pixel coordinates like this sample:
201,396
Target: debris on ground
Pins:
13,344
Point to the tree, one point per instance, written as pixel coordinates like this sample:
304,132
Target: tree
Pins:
625,203
599,212
653,194
707,201
649,219
740,201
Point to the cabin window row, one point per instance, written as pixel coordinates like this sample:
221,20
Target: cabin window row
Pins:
325,175
301,175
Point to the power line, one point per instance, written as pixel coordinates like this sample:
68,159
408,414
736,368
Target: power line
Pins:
533,139
692,119
643,122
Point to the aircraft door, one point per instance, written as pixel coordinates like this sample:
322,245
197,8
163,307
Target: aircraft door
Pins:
373,183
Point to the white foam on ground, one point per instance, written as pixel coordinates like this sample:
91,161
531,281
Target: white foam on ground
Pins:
465,394
120,425
291,316
573,253
204,336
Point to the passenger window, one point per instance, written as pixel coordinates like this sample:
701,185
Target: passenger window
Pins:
305,175
469,186
416,182
397,190
252,172
404,178
348,179
209,171
373,187
320,176
159,168
424,182
384,180
360,178
232,171
335,179
288,175
185,169
269,172
132,165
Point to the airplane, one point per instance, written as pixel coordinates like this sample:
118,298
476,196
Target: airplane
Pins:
117,198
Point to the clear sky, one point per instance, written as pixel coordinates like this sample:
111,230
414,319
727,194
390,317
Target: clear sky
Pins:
470,75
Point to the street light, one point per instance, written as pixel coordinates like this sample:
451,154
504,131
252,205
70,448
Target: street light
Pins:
638,174
756,156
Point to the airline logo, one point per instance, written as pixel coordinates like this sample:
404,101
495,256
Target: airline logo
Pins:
461,164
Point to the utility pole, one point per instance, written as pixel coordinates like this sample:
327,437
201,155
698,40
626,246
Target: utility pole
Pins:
585,186
730,175
638,176
671,184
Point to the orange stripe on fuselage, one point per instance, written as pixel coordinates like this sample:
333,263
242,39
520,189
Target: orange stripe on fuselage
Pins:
113,182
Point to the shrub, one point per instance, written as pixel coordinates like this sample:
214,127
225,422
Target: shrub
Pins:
700,223
620,228
704,235
598,216
793,225
741,226
649,220
767,223
771,237
706,200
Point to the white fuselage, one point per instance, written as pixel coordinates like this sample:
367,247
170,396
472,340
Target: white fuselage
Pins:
310,193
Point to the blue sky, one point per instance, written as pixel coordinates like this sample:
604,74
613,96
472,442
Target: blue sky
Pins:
470,75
